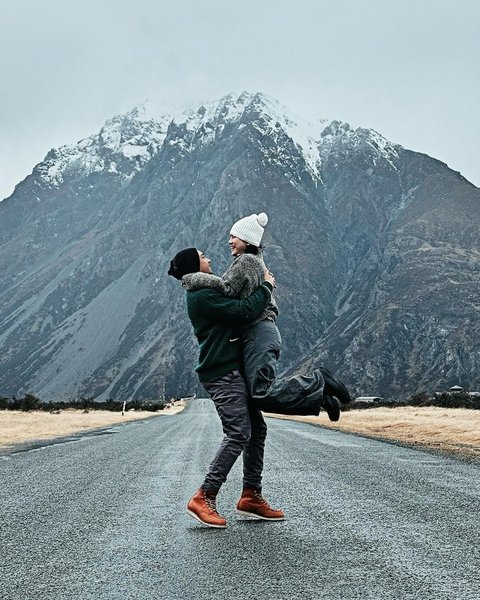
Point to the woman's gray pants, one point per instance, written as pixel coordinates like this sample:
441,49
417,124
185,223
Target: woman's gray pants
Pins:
244,431
298,395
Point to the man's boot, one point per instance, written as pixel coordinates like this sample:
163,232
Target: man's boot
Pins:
202,507
253,504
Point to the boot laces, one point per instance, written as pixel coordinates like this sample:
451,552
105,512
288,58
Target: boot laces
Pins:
210,502
259,497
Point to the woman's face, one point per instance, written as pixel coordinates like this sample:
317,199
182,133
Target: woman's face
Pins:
237,246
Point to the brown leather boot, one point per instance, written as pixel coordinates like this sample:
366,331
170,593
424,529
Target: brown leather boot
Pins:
202,507
253,504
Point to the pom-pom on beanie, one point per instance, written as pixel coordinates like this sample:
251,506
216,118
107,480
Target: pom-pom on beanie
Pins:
185,261
250,229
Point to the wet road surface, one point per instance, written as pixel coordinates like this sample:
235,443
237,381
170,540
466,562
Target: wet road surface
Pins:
103,516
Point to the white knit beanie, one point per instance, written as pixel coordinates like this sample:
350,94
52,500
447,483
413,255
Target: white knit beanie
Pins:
250,229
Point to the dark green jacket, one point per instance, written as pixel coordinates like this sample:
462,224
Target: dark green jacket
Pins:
216,320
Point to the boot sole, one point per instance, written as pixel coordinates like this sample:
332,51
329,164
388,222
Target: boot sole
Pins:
195,516
249,514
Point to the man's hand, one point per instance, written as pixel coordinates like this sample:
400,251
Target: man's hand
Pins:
267,276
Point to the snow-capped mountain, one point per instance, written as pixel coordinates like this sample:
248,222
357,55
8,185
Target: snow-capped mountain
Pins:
123,146
374,249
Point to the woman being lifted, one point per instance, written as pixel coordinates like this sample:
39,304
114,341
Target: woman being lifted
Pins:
261,342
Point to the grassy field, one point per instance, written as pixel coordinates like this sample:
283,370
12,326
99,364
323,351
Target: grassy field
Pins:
452,430
18,426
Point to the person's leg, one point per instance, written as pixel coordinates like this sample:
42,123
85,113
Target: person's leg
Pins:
254,450
298,395
262,345
251,502
336,388
229,394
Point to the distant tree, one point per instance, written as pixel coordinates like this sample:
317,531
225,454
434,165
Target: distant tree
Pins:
87,403
30,402
456,400
420,399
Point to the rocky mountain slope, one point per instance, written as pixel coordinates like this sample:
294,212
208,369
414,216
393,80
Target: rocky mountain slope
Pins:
375,250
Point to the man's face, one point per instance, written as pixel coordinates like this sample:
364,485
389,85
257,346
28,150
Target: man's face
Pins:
204,263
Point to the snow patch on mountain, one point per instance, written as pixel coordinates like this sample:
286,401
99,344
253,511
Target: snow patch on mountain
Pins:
304,134
337,135
314,140
226,110
126,142
123,146
271,118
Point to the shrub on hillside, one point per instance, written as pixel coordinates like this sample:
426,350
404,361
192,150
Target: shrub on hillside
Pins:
30,402
456,400
445,400
420,399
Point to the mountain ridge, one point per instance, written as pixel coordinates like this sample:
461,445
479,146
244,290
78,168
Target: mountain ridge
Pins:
88,310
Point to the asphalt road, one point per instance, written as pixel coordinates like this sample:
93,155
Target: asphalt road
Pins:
104,516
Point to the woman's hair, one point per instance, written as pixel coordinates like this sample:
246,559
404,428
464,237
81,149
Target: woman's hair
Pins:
251,249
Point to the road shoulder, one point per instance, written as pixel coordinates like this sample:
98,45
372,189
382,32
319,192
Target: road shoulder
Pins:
449,431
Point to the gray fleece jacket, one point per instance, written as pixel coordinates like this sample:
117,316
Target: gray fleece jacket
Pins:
242,279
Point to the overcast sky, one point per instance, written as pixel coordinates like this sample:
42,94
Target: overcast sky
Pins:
408,68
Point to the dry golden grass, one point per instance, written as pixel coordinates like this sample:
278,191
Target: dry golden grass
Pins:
18,426
453,430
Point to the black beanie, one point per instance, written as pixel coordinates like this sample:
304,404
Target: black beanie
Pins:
185,261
